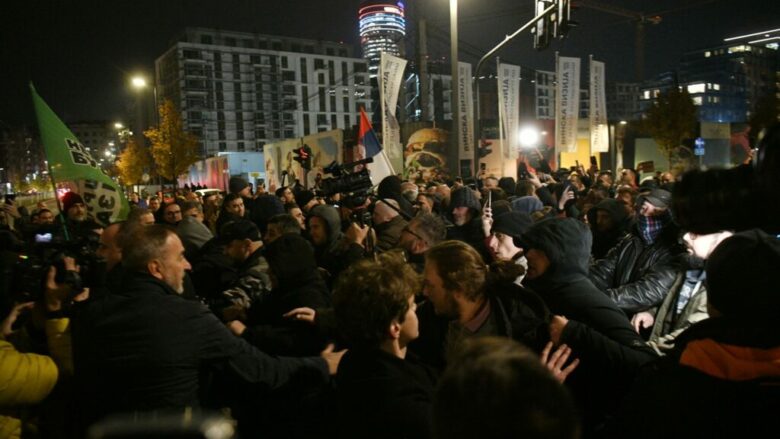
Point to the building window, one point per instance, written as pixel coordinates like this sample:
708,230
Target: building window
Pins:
222,146
322,98
205,39
241,147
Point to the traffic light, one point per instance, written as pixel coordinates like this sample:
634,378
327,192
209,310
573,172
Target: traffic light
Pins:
484,147
555,24
303,156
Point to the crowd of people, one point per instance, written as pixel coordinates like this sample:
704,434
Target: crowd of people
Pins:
567,304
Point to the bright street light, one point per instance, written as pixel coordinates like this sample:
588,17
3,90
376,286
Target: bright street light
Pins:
529,137
138,82
118,125
108,153
623,122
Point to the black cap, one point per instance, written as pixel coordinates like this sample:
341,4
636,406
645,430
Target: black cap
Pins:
239,231
659,198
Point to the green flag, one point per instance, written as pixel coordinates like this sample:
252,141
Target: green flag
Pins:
72,166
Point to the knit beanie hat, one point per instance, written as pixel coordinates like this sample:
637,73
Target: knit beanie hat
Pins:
237,184
514,224
69,199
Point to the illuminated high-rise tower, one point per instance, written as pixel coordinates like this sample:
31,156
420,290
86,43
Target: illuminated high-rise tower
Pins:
382,29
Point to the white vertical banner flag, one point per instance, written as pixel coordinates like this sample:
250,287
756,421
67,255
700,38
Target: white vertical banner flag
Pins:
599,133
567,103
466,113
391,71
508,101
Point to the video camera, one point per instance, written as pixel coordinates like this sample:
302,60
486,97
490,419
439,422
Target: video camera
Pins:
49,248
354,186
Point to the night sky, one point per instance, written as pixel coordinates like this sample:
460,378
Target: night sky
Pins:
80,54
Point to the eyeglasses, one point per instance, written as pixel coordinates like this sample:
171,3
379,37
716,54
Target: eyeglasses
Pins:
409,231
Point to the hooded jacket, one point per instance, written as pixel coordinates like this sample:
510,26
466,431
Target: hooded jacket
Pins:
298,284
637,275
603,242
598,332
335,255
471,233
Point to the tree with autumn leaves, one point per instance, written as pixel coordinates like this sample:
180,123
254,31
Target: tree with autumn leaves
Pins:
173,149
133,161
670,120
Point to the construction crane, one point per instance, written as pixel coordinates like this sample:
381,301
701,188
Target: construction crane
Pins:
640,18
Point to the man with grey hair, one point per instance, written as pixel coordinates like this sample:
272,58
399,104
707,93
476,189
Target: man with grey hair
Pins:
146,346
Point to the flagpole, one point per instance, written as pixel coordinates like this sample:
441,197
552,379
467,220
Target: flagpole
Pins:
557,150
501,109
57,199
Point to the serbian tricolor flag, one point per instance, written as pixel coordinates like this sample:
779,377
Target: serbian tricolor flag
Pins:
369,146
367,136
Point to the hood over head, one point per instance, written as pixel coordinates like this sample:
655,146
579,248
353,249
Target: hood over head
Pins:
332,218
566,242
291,259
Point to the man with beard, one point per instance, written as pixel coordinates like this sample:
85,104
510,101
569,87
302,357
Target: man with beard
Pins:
465,300
686,302
77,218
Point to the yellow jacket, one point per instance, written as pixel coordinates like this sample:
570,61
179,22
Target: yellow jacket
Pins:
27,379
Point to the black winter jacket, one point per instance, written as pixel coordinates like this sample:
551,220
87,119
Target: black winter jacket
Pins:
598,332
382,396
144,348
636,275
298,284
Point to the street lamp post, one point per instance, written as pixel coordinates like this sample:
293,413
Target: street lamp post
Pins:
454,86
